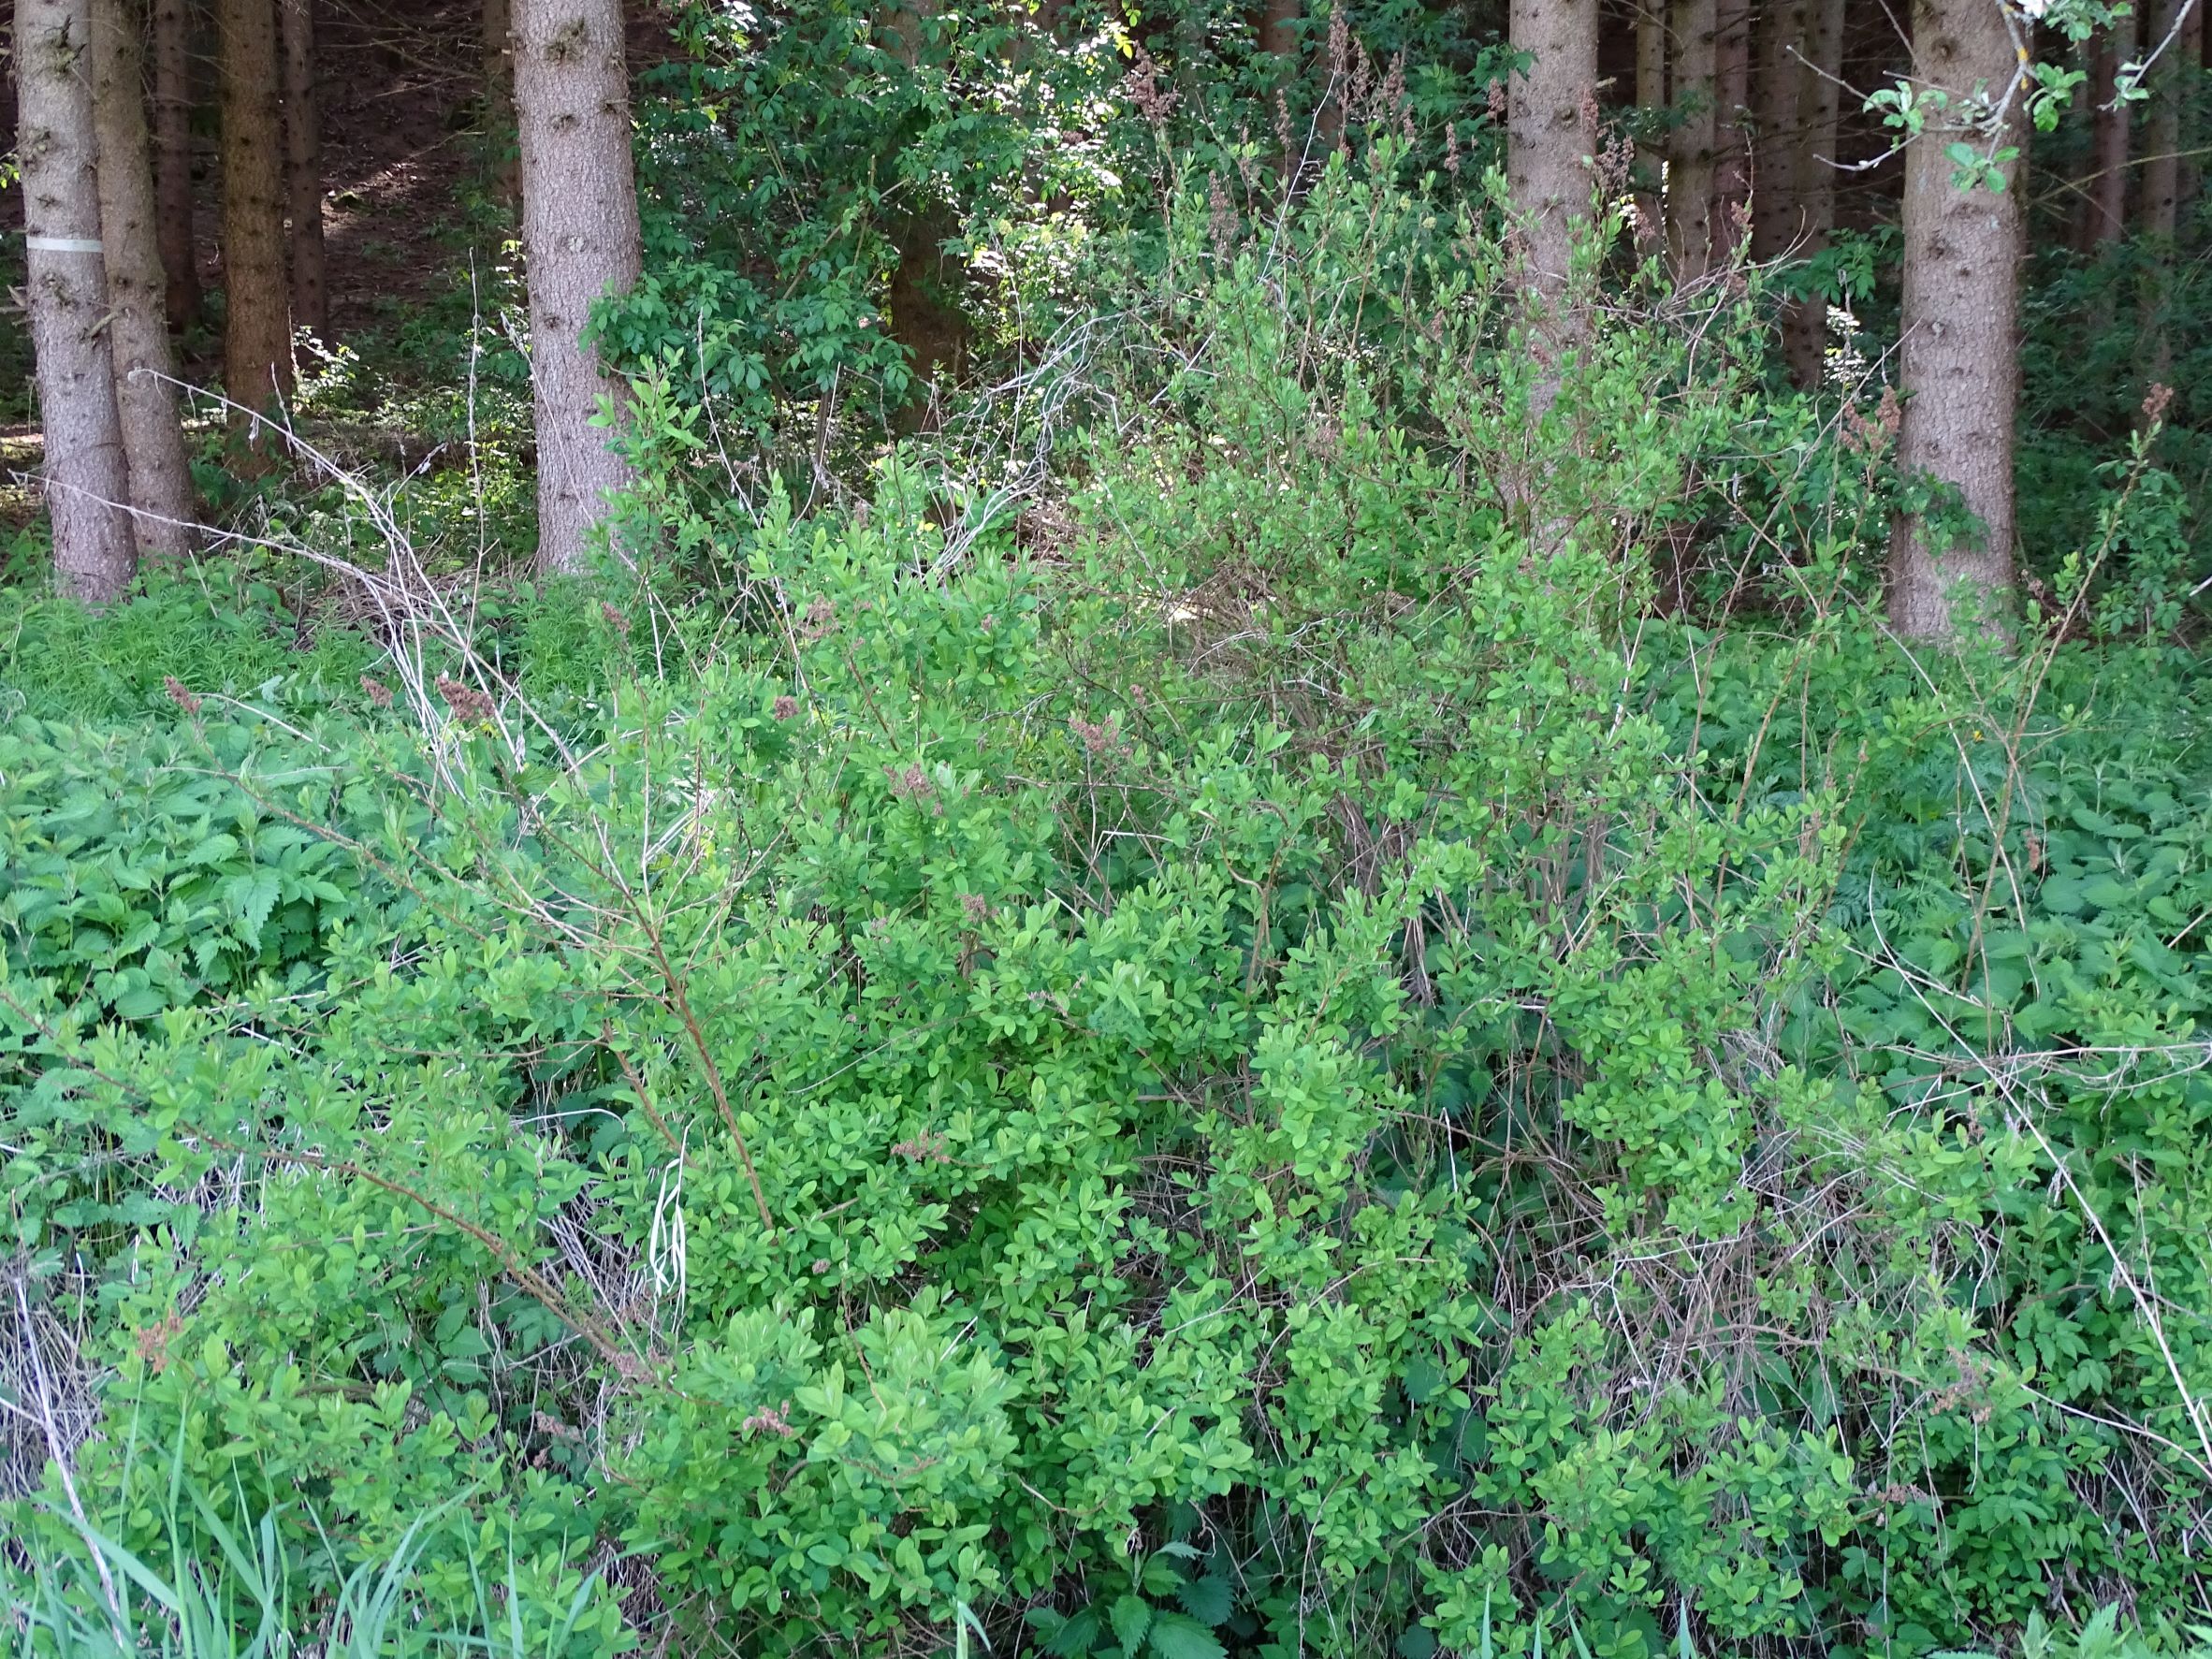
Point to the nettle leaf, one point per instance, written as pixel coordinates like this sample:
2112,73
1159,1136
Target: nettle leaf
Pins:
1131,1616
1177,1635
1210,1600
1160,1577
142,1003
1069,1637
251,897
217,849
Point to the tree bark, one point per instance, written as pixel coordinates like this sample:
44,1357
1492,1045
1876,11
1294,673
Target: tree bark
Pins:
2171,84
1958,361
1551,134
1549,130
499,98
580,241
2159,208
1278,36
137,328
1278,41
65,290
1731,183
1805,321
2104,211
258,329
303,167
172,159
1650,99
1777,213
1690,150
2196,35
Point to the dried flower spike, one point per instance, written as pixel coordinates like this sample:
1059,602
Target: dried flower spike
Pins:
467,702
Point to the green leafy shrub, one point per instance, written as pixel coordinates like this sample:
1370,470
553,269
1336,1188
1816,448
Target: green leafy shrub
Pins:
1272,1064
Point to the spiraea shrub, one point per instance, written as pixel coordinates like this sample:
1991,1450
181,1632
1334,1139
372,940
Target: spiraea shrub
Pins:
1363,1031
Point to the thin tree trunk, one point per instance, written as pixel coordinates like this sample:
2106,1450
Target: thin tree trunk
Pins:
1278,38
499,98
1548,131
257,329
65,290
2160,204
1690,152
172,158
1731,183
1805,321
1278,42
2159,208
137,328
580,242
303,167
922,307
2195,33
924,313
1551,134
1959,359
2104,211
1777,213
1651,97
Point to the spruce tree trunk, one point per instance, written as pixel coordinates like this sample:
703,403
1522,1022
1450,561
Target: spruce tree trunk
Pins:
303,167
1731,182
64,291
2196,32
1550,130
1651,97
580,241
257,322
1690,150
2171,81
499,98
137,327
2159,208
1278,40
922,307
172,159
1958,361
1548,140
1805,321
2104,211
1777,214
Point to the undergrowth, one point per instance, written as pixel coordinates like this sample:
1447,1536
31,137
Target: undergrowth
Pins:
1345,1018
